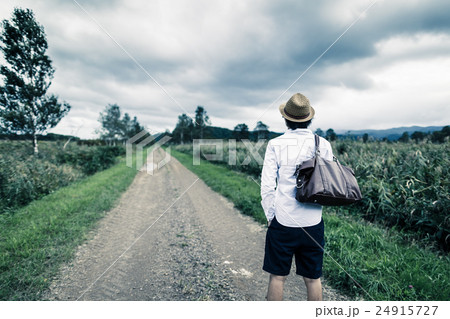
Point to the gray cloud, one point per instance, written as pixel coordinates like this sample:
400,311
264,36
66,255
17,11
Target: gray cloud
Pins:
233,57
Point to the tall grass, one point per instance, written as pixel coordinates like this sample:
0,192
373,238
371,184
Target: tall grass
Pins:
25,177
404,185
37,238
379,259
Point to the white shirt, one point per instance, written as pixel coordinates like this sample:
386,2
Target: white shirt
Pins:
278,181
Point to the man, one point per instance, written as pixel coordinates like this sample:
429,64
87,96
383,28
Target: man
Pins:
295,229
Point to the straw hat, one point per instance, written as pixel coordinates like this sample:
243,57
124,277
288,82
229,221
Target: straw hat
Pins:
297,109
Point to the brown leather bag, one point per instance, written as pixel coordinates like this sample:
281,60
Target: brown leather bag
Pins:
326,182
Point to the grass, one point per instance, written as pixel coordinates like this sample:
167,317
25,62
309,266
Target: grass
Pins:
377,258
36,239
380,261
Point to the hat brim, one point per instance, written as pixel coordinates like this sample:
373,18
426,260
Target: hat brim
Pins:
311,114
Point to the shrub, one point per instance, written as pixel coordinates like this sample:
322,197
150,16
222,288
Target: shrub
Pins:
25,177
24,181
90,159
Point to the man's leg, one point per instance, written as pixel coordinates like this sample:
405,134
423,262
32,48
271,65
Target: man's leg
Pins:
313,288
275,290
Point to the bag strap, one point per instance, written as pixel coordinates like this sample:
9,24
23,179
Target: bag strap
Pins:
316,153
317,141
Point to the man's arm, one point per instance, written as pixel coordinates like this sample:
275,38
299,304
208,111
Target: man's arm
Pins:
269,182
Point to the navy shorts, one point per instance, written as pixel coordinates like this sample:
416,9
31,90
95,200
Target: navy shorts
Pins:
282,243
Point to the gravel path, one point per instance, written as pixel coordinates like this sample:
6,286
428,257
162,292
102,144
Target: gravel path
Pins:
172,238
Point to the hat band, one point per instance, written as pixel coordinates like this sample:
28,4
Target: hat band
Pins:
296,117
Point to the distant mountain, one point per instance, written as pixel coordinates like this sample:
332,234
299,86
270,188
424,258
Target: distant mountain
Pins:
392,133
215,132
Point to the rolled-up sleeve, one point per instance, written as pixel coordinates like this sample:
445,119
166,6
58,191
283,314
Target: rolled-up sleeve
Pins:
269,182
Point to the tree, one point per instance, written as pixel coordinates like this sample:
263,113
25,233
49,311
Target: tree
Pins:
446,131
136,127
437,137
262,131
404,138
441,136
240,132
320,132
183,131
417,136
25,106
130,127
112,126
365,137
116,128
126,126
331,135
201,121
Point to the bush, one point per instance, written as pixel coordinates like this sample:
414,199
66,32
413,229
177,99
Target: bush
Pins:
25,177
24,181
90,159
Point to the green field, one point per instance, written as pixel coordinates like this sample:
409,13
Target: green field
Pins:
379,258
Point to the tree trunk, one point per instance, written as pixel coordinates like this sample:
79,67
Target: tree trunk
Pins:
65,144
35,144
33,116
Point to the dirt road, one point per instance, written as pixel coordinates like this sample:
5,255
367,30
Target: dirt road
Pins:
172,238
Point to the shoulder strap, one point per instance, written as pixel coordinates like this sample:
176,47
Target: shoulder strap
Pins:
317,140
317,153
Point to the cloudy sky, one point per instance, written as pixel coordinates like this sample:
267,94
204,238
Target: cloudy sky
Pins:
158,59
